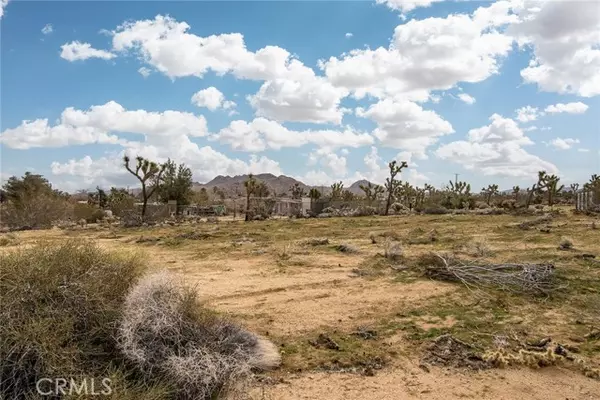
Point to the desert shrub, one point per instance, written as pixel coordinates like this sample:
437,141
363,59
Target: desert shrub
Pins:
508,204
478,248
131,218
35,212
481,205
490,211
398,207
59,311
393,250
87,212
261,209
170,337
373,237
10,239
435,210
122,206
363,211
565,243
347,248
317,241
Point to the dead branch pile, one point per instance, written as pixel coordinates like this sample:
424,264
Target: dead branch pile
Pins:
516,278
446,350
525,225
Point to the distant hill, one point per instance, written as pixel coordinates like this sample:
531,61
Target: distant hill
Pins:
234,185
355,187
280,185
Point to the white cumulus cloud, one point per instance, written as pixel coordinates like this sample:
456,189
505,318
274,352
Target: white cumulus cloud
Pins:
3,4
565,38
47,29
496,149
466,98
569,108
145,72
262,134
563,144
405,125
527,114
212,98
76,51
407,5
429,54
98,125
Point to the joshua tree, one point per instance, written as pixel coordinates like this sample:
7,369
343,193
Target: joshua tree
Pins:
461,191
347,195
460,188
405,193
429,189
297,191
594,186
391,184
530,193
251,185
550,184
516,191
553,188
489,192
262,190
574,188
372,192
314,194
419,196
147,172
336,190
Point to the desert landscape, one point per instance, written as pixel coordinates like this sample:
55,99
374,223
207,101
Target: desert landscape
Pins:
354,318
300,200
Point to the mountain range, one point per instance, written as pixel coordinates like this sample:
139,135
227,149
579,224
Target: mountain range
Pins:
234,185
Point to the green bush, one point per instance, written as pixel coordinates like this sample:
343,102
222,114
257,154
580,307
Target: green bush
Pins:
59,310
88,212
74,310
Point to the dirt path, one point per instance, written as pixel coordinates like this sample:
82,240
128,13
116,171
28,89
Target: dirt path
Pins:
439,384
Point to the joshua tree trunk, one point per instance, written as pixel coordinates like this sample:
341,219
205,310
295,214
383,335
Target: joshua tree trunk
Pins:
530,196
247,206
144,202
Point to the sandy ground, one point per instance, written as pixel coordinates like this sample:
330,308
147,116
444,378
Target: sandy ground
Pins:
413,383
323,292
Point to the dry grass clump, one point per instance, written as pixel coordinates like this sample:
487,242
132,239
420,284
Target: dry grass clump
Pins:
533,359
317,241
60,304
170,337
347,248
393,251
418,236
373,237
478,248
10,239
565,243
526,225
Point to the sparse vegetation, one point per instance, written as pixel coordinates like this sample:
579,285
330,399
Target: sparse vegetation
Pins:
76,310
170,337
393,251
565,243
310,285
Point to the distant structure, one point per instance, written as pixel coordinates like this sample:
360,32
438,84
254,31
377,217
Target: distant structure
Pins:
584,200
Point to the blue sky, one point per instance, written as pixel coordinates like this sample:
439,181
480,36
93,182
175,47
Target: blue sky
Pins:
321,91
